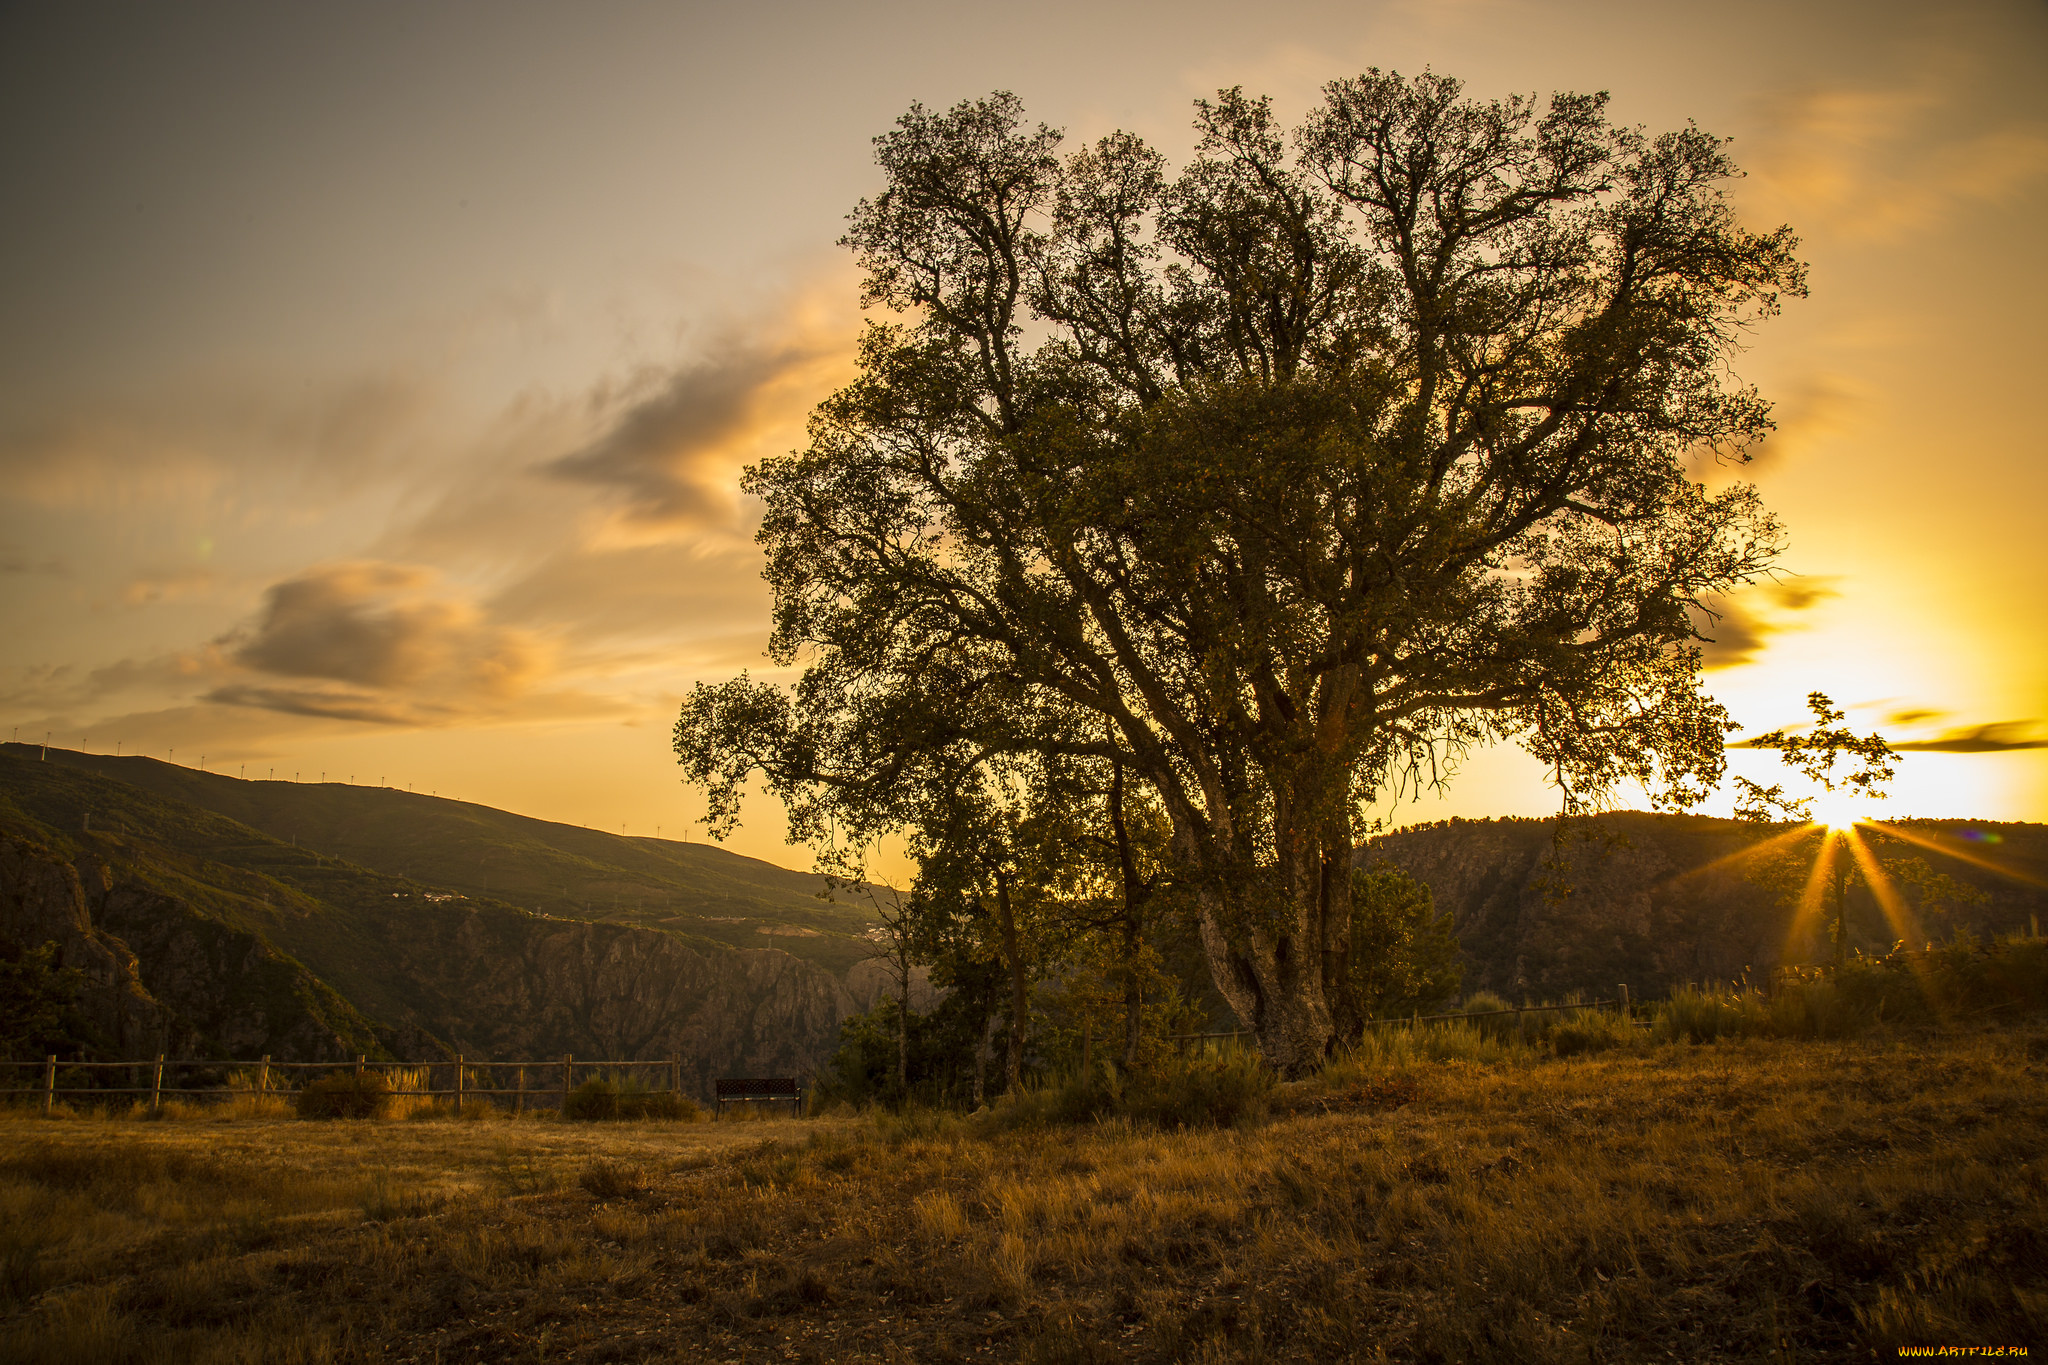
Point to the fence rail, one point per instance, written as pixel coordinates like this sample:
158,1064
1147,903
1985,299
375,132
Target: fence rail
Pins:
563,1071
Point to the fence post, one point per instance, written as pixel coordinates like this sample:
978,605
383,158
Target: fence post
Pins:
458,1085
519,1103
361,1057
1627,1011
49,1083
675,1076
263,1076
156,1086
567,1062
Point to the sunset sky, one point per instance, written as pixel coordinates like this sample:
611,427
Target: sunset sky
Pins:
375,378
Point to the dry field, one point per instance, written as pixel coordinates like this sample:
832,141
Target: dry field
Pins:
1753,1200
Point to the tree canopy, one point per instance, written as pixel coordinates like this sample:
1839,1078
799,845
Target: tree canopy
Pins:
1275,483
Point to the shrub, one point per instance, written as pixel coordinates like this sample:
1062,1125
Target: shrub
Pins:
1404,956
1219,1091
1581,1031
1204,1092
1484,1013
1959,979
604,1097
346,1095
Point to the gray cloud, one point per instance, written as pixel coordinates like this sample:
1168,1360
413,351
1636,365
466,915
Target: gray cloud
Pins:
1997,737
332,703
672,454
380,642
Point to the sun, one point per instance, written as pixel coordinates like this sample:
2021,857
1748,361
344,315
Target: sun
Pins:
1837,810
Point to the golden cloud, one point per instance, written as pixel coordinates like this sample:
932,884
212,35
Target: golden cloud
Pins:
1738,626
380,642
1879,164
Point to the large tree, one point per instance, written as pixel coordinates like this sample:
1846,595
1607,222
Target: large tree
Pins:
1274,483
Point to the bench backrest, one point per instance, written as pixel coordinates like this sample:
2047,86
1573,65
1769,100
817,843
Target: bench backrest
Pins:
759,1088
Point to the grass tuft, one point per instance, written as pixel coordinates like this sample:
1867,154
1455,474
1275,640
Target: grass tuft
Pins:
607,1179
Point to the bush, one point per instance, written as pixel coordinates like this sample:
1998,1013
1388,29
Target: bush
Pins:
1404,956
346,1095
1218,1092
1576,1032
1492,1023
604,1098
1185,1092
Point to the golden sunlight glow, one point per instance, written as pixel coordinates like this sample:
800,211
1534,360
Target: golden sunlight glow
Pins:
1812,898
1837,810
1896,913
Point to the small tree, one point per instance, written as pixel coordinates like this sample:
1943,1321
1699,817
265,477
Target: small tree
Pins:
38,1001
1404,954
1814,754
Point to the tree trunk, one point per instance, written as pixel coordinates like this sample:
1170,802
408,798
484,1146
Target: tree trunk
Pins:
1020,984
903,1028
1278,942
1841,859
981,1056
1134,993
1135,892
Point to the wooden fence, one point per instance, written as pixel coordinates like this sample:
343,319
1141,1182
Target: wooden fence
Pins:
555,1080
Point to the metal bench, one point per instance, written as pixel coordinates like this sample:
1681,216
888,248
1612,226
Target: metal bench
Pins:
731,1090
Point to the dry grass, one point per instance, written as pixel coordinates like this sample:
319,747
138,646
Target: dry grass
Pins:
1751,1200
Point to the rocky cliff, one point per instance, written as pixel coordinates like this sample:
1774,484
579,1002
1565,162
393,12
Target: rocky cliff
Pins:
42,900
201,935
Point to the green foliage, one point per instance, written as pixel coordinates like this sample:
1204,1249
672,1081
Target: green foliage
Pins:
942,1052
1404,955
605,1098
38,1001
346,1095
863,1067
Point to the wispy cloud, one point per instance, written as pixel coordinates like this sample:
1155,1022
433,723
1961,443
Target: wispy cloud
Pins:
1997,737
191,445
1877,164
1743,622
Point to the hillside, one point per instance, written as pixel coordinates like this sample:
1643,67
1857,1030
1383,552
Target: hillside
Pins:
213,936
549,868
1658,900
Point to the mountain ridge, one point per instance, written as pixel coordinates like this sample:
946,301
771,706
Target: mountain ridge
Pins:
245,943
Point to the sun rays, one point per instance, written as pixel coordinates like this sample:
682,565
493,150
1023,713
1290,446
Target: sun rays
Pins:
1729,862
1959,854
1847,849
